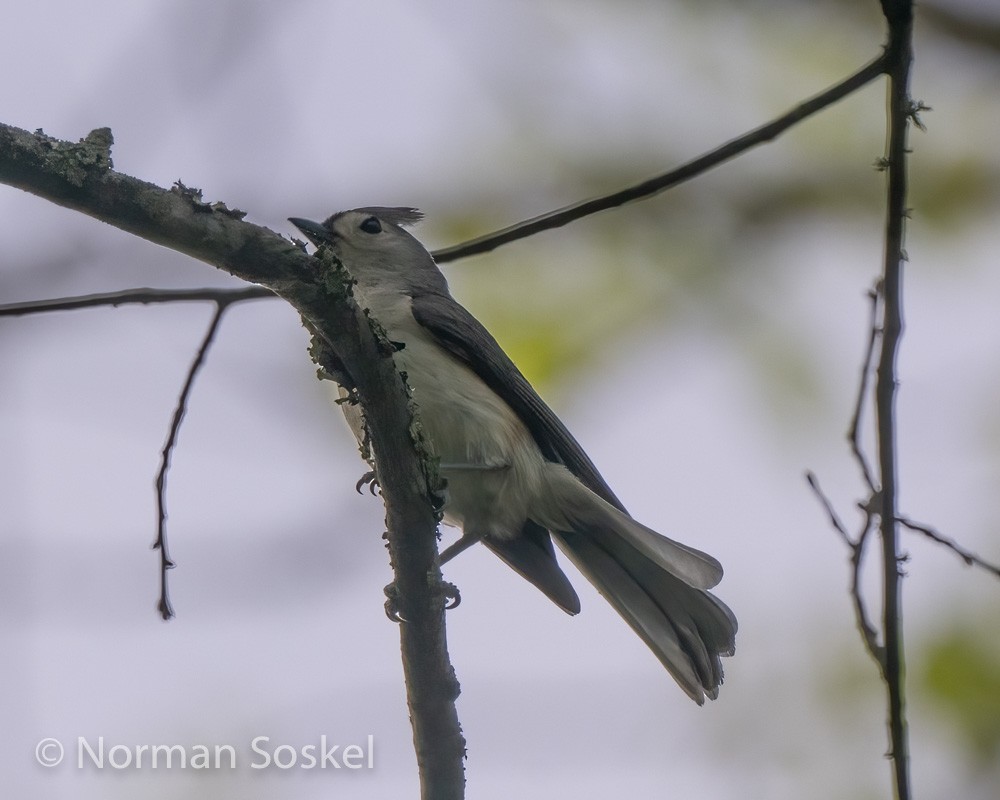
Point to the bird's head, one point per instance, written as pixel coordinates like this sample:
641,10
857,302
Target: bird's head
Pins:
374,247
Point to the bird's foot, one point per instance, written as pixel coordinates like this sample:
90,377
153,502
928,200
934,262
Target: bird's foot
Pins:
449,591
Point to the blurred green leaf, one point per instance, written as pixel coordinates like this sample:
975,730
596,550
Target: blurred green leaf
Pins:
960,672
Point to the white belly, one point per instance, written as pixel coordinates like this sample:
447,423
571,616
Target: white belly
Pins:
490,460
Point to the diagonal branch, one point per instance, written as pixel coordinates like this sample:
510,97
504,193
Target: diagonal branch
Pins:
648,188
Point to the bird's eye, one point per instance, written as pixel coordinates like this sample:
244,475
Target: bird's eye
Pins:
371,225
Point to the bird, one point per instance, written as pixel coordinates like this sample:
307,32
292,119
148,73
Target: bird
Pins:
516,478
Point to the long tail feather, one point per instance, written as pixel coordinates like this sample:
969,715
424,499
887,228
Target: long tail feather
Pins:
687,629
656,584
570,505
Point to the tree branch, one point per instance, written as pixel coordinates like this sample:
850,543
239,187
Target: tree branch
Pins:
79,176
490,241
652,186
970,558
899,14
136,296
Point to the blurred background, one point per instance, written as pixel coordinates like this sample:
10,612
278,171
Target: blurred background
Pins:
704,346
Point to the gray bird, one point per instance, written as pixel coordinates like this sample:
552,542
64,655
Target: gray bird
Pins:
516,477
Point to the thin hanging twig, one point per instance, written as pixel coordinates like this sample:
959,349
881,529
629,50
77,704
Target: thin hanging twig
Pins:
166,564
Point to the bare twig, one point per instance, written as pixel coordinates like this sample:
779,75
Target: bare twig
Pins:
854,430
134,296
652,186
865,625
166,564
970,558
857,547
835,520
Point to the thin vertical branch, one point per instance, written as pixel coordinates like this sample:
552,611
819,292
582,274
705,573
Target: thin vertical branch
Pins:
418,597
899,14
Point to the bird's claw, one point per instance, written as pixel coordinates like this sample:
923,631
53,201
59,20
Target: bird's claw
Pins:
452,596
392,604
439,495
370,480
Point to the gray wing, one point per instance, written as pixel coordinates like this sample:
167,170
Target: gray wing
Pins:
465,337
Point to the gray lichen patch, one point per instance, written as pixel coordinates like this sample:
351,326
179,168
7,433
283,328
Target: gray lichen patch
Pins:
75,161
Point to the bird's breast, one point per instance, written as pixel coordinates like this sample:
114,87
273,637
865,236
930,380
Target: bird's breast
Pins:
487,454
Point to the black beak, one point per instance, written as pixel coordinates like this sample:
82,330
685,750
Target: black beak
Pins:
313,231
